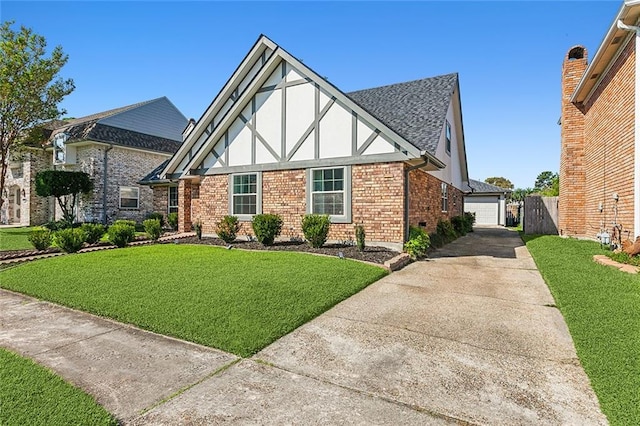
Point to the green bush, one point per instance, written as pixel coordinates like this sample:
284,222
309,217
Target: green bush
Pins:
418,243
153,228
121,234
40,238
172,220
360,237
56,225
267,227
459,225
436,239
156,215
70,240
227,229
470,220
446,231
93,232
197,226
315,228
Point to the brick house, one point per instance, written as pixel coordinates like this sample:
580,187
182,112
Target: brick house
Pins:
279,138
116,148
600,147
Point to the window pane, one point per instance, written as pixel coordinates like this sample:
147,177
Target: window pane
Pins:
332,204
338,174
128,192
129,203
244,204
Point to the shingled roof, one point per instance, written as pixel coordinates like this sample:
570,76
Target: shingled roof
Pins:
154,176
416,110
478,187
110,127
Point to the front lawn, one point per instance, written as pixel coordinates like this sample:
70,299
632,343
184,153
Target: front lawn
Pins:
601,306
15,238
32,395
234,300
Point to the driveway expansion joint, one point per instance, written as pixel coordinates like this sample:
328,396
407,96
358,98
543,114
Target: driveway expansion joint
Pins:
78,341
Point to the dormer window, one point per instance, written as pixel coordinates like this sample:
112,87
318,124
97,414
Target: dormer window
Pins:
448,137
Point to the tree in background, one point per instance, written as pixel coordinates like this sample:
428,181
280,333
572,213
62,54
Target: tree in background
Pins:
519,194
547,184
499,181
30,90
65,187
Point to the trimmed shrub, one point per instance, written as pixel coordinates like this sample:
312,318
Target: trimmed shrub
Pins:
70,240
40,238
470,220
121,234
172,220
315,228
197,226
156,215
436,239
153,228
227,229
446,231
267,227
418,243
56,225
360,236
459,225
93,232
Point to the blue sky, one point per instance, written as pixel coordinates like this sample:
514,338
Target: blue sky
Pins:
508,54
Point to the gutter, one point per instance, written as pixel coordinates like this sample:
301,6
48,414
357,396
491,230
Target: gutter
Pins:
104,184
406,193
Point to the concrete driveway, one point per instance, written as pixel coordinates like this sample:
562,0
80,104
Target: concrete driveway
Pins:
470,336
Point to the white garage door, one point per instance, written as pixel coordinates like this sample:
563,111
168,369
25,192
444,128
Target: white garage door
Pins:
485,208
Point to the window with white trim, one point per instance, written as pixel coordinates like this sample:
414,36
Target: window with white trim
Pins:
445,197
129,197
173,200
447,136
327,191
244,194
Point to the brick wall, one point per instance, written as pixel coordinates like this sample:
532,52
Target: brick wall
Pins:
425,200
571,203
609,146
597,149
377,202
161,199
39,208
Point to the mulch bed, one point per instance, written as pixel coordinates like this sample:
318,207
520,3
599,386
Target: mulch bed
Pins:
370,254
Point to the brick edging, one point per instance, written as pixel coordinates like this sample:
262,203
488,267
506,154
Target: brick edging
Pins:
607,261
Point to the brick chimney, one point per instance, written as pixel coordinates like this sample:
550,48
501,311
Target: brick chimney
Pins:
571,208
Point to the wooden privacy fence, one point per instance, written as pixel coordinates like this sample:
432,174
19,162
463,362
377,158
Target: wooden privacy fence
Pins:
540,215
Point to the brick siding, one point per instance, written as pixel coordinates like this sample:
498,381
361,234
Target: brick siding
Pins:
600,137
377,202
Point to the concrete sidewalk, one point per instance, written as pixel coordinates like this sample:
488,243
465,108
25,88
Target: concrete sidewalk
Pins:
468,337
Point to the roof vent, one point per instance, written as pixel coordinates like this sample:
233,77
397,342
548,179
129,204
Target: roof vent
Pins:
594,76
616,40
576,53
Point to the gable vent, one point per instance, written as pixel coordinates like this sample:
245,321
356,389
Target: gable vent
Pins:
594,76
616,40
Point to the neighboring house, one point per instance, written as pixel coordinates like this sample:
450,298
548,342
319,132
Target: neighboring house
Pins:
600,148
487,201
279,138
116,148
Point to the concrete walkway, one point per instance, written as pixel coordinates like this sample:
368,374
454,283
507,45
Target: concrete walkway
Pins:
470,336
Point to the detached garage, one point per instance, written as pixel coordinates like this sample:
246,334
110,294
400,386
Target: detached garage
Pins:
487,201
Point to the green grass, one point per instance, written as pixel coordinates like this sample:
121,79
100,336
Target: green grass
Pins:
32,395
234,300
601,306
15,238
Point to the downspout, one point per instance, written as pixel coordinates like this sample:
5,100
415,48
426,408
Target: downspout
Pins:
636,159
104,184
406,194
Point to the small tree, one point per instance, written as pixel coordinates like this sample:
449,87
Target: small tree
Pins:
30,89
65,187
545,181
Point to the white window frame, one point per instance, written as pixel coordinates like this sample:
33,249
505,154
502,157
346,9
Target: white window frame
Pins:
137,198
258,194
445,197
346,190
447,137
169,206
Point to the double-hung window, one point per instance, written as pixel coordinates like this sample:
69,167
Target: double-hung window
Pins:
129,197
445,197
329,192
173,200
245,195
